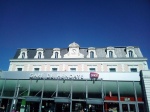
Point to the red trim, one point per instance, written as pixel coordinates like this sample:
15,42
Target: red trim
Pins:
94,75
115,98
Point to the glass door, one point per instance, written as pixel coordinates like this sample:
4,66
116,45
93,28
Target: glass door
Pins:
94,108
32,107
128,108
62,107
132,107
5,105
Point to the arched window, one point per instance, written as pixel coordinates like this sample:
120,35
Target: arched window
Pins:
91,54
23,55
130,53
39,55
110,54
56,54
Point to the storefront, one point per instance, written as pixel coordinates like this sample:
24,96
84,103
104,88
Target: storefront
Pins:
71,92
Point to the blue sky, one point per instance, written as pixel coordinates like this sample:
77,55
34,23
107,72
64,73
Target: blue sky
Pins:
90,23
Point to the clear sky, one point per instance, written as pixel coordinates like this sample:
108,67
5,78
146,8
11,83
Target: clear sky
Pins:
90,23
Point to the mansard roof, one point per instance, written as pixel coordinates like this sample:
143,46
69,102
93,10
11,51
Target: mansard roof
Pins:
120,52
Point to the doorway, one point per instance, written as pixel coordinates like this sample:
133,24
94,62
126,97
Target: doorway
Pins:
5,105
95,108
78,106
62,107
32,107
128,108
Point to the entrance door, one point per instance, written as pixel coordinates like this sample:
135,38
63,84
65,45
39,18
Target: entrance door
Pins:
5,105
32,107
78,106
62,107
95,108
128,108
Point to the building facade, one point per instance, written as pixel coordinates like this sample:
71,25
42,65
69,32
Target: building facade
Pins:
74,79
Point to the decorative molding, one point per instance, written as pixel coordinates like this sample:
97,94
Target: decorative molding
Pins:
110,49
74,51
91,49
130,48
39,50
73,45
23,54
56,53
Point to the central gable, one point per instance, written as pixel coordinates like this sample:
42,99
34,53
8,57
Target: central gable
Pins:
74,51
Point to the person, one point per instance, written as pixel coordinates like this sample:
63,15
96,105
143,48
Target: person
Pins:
81,110
110,110
90,109
2,109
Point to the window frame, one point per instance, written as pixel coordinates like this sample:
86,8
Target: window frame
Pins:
75,69
54,70
133,70
36,68
110,54
111,69
39,55
19,68
91,54
92,70
130,54
23,55
56,55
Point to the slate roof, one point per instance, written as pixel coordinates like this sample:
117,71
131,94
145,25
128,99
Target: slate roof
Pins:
101,52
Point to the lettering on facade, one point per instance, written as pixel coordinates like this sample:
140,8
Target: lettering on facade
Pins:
55,76
94,76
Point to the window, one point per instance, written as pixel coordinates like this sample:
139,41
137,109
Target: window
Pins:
72,69
91,54
112,69
133,69
19,69
110,54
23,55
39,55
36,69
130,54
56,54
54,69
92,69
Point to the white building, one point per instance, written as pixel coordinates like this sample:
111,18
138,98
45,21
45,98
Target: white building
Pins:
75,78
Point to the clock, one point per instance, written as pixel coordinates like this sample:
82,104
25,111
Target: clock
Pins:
74,51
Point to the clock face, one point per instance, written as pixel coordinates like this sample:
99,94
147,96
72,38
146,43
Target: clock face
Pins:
74,51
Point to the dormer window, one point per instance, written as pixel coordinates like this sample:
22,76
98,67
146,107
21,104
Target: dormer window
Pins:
91,54
39,55
56,54
110,54
23,55
130,54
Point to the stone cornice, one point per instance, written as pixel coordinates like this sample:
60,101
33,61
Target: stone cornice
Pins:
81,60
